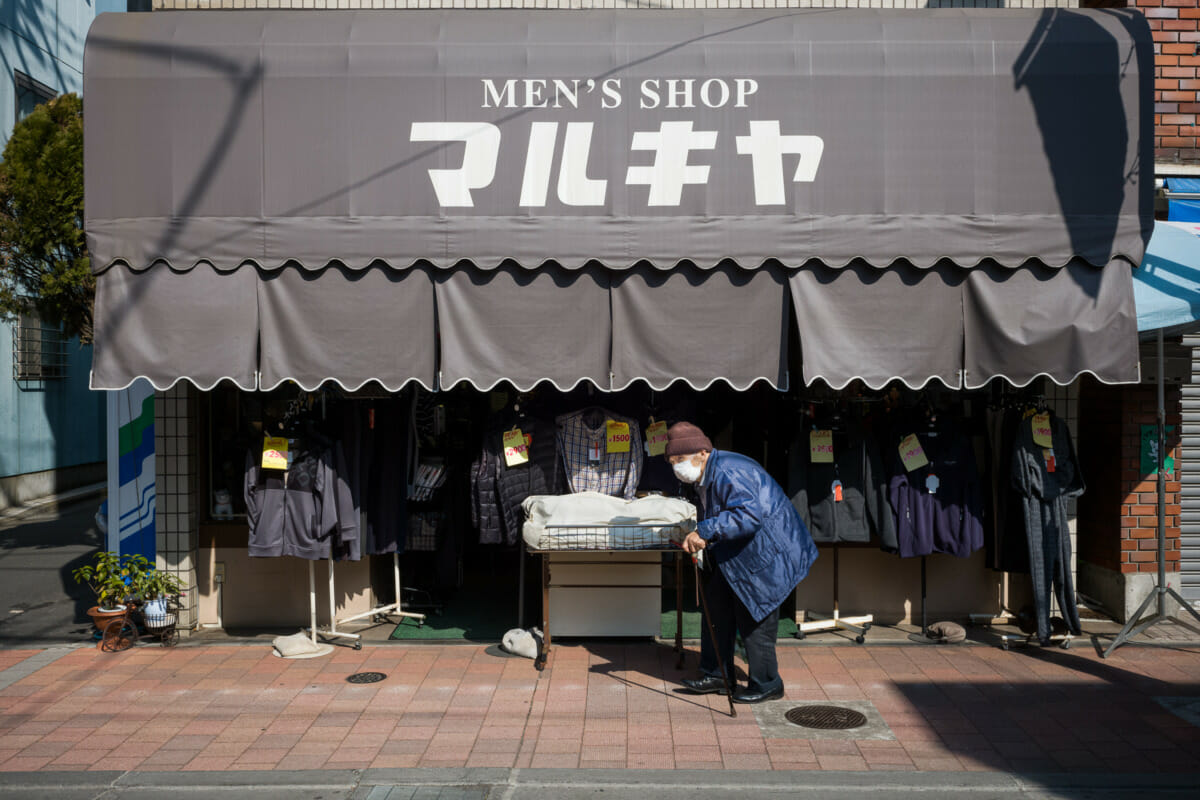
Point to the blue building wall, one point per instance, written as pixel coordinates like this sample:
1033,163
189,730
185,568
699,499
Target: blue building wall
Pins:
52,424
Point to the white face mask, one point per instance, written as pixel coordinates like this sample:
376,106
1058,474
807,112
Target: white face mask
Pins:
687,472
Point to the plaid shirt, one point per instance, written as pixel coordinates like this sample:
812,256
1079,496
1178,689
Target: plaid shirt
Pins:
615,473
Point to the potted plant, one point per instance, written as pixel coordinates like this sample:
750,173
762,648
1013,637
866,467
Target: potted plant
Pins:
157,589
111,578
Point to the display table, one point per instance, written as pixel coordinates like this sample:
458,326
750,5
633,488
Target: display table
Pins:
606,593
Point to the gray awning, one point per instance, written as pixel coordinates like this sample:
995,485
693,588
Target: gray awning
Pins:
878,325
165,326
448,196
617,137
524,326
966,327
349,326
1024,323
699,326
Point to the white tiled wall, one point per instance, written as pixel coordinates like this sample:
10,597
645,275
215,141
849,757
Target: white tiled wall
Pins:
176,518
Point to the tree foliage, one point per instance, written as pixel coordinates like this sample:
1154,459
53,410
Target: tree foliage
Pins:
44,265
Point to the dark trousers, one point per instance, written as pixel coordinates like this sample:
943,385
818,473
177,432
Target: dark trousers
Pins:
1050,563
730,617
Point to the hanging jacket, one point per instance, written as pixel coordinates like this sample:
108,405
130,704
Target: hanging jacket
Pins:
485,504
942,516
498,490
1004,535
374,444
1030,473
753,533
539,476
863,511
301,511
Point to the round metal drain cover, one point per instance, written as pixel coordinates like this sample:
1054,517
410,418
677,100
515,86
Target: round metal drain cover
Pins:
827,718
366,677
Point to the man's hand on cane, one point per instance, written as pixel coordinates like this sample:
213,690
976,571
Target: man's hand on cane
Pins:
693,543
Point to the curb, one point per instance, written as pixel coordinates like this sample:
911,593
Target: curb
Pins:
54,501
360,782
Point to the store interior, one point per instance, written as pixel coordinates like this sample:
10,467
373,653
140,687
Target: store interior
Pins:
437,507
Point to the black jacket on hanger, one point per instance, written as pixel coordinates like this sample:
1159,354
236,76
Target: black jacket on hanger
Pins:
863,511
497,490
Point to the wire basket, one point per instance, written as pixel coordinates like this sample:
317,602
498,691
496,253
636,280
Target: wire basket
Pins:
612,537
161,620
156,622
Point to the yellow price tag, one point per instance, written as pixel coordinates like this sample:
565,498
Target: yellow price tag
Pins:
656,438
912,454
516,448
820,446
275,453
618,436
1041,430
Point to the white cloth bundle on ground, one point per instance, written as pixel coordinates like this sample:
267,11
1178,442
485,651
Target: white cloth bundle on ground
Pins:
522,642
594,521
298,645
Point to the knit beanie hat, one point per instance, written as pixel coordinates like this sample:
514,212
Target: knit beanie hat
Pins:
684,438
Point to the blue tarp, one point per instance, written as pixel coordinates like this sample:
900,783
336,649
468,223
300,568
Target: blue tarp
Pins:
1166,287
1183,210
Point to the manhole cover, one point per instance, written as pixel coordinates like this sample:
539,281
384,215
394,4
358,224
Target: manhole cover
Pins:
827,718
366,677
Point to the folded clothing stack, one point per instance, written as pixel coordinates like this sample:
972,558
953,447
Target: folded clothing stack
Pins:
594,521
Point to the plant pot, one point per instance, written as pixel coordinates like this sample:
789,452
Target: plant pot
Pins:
102,617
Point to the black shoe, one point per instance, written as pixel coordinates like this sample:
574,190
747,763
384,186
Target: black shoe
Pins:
706,685
747,696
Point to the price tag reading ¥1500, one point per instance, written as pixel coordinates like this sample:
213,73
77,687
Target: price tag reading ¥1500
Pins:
656,438
820,446
618,436
516,448
912,454
1041,430
275,453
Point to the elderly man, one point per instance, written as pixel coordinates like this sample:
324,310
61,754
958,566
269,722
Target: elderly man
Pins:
756,549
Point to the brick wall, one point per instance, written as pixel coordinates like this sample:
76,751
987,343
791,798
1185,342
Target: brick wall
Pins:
1139,503
1176,28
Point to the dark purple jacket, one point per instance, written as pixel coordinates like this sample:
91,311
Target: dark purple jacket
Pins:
949,519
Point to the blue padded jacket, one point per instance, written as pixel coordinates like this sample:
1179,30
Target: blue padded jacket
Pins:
753,533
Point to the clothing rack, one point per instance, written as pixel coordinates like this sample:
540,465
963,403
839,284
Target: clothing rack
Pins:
858,625
379,613
324,649
1005,616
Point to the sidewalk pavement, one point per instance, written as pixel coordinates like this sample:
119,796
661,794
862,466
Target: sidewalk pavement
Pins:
1029,714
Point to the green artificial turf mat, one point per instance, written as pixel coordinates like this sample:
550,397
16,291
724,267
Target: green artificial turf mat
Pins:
480,614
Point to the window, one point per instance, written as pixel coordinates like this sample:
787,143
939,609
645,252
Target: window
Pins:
39,350
30,94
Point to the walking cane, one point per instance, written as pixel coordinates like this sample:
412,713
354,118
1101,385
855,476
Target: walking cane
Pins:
712,636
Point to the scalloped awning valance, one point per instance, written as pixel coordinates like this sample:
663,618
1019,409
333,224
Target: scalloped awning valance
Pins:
393,158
